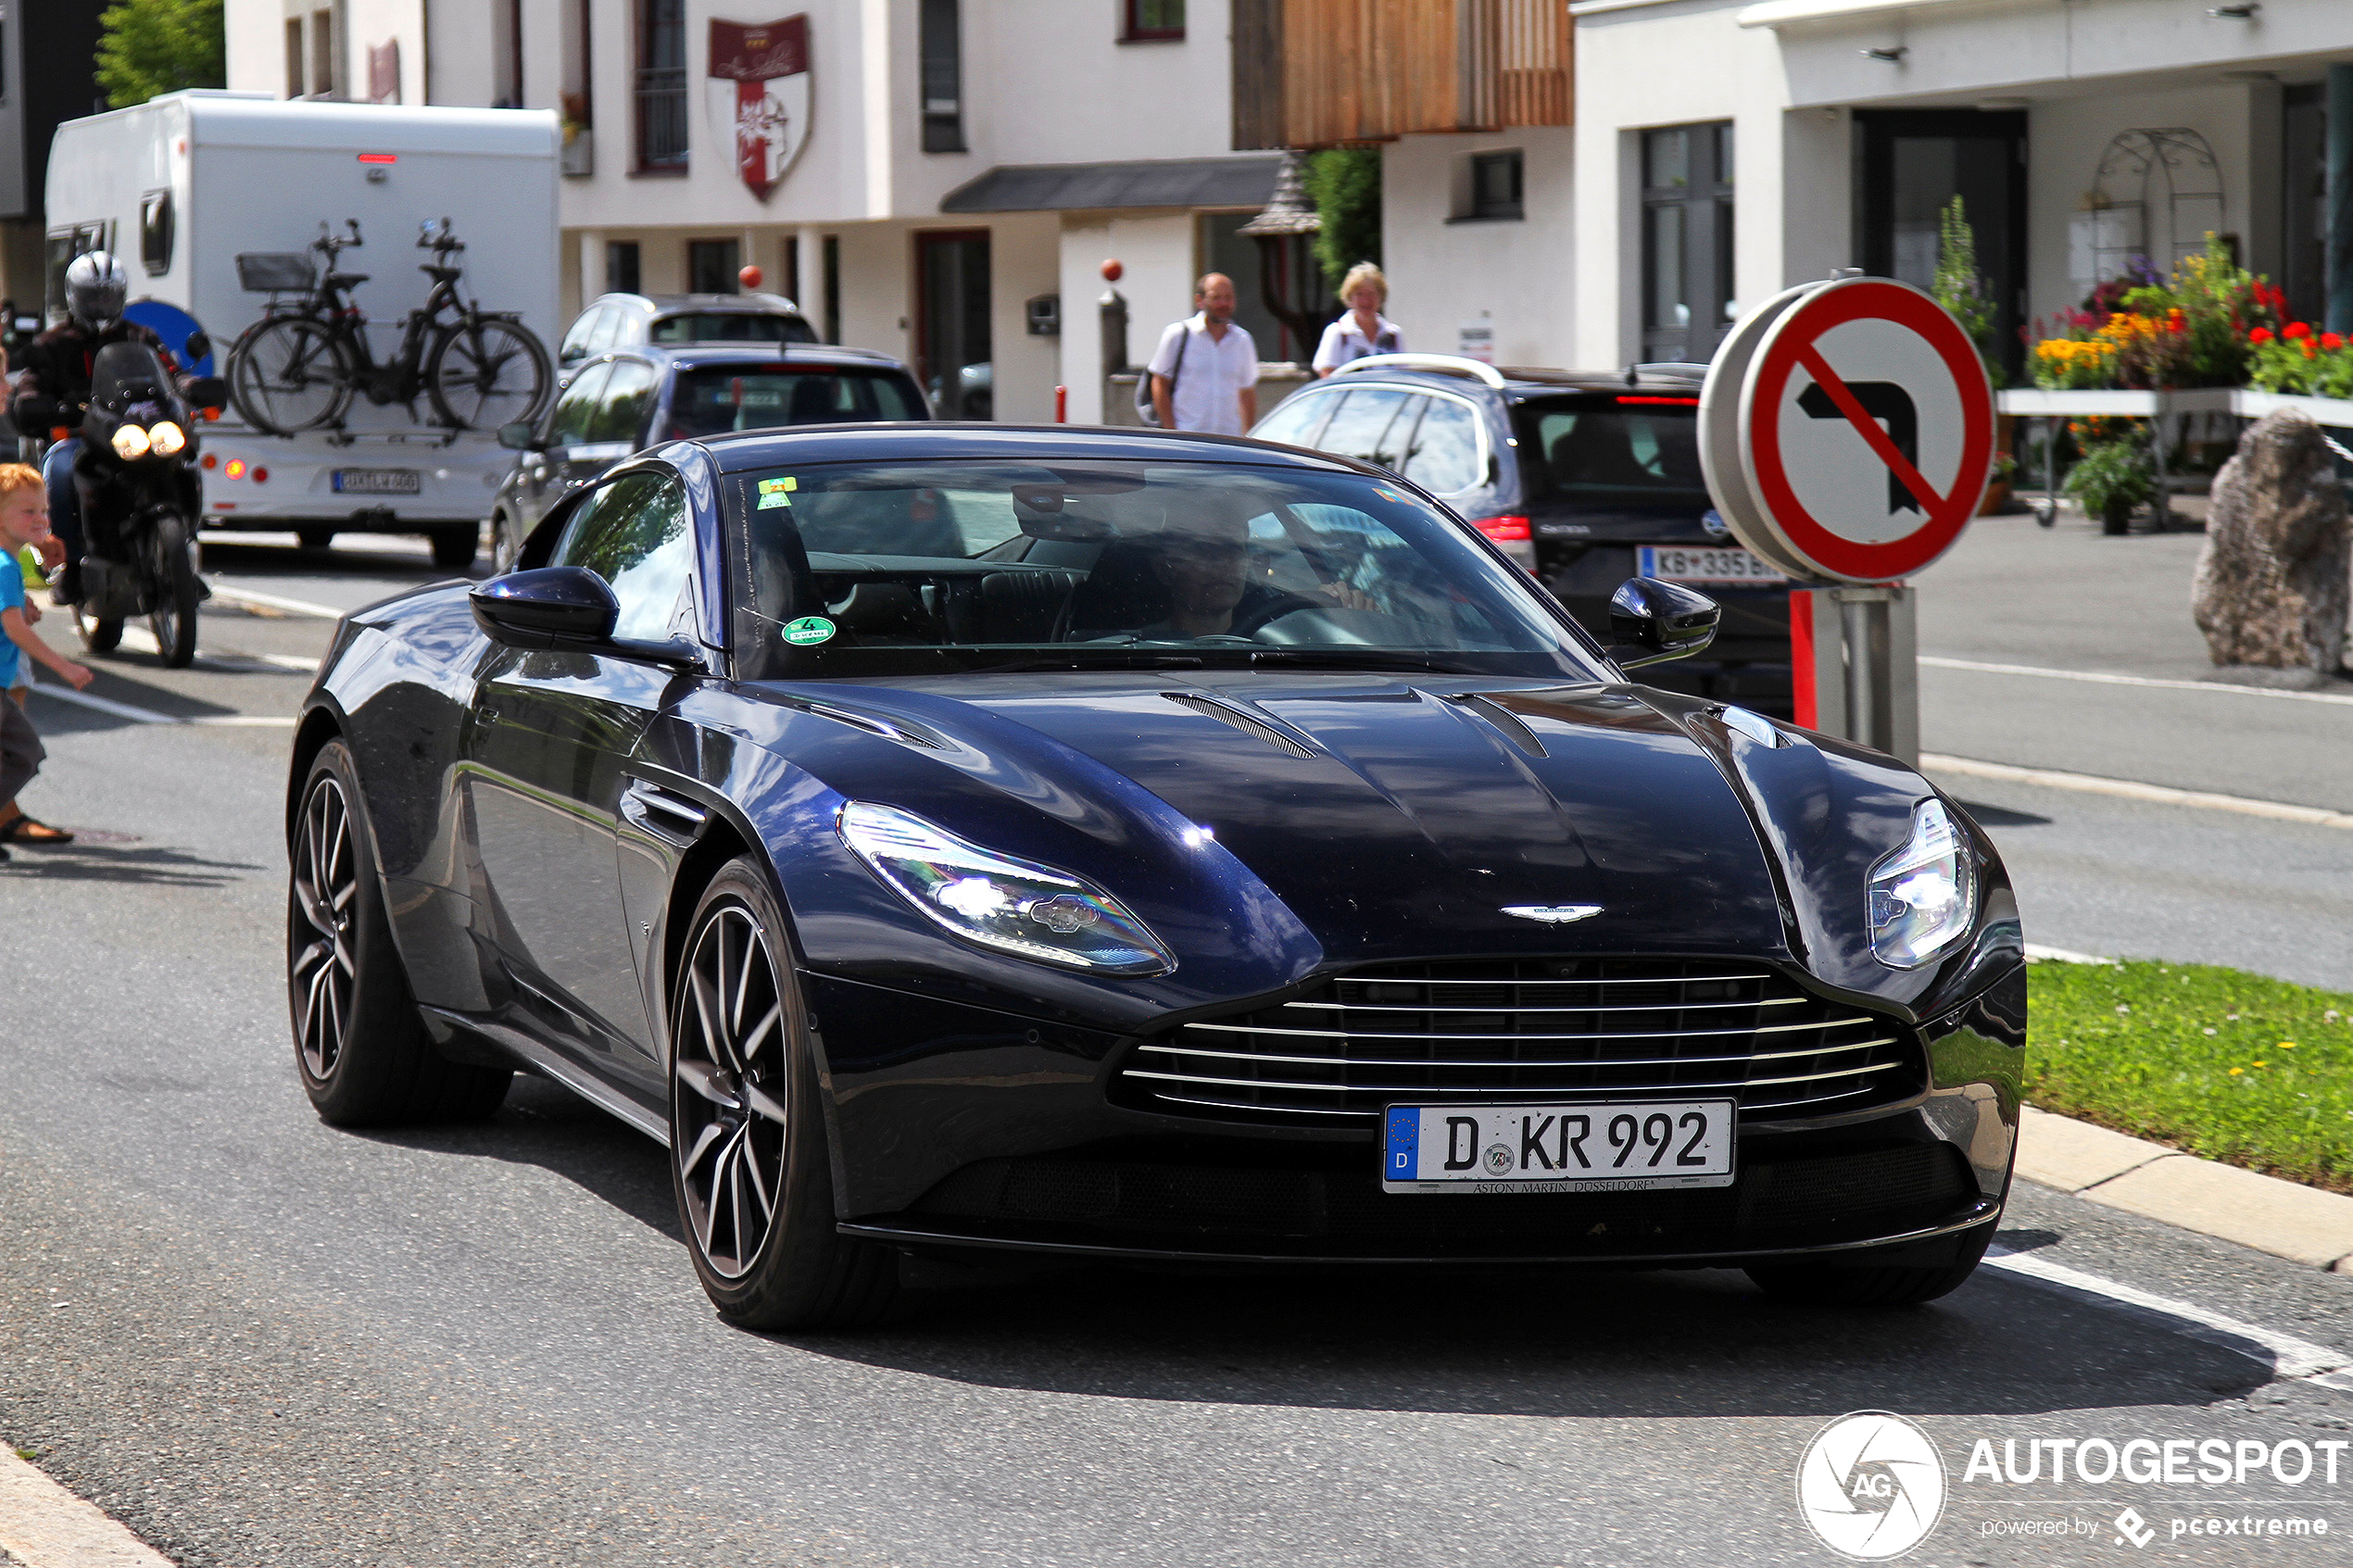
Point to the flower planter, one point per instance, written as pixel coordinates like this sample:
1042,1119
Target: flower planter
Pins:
2334,411
2052,405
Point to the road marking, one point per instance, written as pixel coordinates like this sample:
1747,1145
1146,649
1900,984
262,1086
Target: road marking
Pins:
140,640
2232,687
49,1527
2287,1356
256,600
149,716
2130,789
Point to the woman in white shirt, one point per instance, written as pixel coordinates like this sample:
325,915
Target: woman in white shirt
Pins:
1364,330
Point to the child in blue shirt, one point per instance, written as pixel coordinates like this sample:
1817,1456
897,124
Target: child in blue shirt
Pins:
24,519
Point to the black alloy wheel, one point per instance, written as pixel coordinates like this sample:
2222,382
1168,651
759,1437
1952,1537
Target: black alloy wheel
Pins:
365,1057
179,591
747,1142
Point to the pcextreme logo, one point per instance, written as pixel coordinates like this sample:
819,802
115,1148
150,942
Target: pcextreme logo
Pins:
1871,1485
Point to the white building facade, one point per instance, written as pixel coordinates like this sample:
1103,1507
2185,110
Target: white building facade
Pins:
941,179
1726,149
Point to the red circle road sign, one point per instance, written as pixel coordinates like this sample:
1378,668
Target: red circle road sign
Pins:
1866,431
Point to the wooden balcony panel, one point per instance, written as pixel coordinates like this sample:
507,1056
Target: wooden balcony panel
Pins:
1309,73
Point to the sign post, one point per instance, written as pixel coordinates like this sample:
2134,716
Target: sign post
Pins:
1846,430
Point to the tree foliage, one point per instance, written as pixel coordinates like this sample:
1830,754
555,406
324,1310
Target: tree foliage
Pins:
147,47
1345,183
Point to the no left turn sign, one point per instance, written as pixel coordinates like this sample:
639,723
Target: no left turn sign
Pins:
1860,438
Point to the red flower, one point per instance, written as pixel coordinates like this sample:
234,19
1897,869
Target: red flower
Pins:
2310,352
2296,330
2260,336
2331,340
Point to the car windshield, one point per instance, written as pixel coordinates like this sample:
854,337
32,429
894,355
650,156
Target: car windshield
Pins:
715,400
1634,448
731,326
926,566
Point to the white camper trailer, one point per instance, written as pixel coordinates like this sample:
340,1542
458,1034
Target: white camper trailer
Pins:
181,186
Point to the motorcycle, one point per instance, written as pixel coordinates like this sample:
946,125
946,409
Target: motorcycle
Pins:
138,470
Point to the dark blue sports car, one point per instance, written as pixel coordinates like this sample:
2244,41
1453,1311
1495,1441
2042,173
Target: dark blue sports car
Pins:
955,838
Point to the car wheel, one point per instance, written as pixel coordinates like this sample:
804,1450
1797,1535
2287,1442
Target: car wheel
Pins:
1829,1285
506,543
747,1152
365,1057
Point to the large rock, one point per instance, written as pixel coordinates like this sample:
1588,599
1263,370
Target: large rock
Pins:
2271,585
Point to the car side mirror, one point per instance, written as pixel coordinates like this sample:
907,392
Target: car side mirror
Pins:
206,392
1655,620
521,436
552,607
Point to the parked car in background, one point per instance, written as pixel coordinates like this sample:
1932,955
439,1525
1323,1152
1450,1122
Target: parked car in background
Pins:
619,403
625,320
1584,478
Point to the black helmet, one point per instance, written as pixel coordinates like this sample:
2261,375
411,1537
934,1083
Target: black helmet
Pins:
96,284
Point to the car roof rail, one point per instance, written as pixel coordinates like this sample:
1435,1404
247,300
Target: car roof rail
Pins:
1444,364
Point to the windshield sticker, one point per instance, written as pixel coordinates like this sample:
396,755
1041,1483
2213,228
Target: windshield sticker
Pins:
808,629
778,493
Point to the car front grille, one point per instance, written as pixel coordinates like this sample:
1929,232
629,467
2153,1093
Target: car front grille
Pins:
1528,1029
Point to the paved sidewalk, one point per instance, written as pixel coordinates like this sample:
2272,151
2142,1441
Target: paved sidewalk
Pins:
2285,1219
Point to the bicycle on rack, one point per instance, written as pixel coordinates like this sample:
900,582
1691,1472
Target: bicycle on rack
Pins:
299,367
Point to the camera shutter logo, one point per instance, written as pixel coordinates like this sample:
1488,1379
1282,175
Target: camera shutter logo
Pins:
1871,1485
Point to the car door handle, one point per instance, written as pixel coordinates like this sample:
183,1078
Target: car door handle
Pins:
666,815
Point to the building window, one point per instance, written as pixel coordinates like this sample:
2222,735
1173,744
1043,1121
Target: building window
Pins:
712,265
1495,186
829,263
941,51
323,53
1150,21
293,56
1687,241
622,275
505,44
661,87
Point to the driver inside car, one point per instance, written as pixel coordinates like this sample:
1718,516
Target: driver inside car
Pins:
1203,563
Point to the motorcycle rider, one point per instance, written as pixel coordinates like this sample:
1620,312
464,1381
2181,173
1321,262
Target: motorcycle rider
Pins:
52,386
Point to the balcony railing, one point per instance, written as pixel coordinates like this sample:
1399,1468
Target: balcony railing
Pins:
661,118
1314,73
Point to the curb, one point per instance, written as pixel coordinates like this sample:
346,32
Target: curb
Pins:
46,1526
2285,1219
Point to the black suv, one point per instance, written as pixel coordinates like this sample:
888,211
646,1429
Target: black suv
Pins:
1585,478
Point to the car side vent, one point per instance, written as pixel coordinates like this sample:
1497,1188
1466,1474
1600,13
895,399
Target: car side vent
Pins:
904,730
1504,719
1257,729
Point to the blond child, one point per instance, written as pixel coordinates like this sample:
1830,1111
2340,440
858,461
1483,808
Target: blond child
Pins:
24,519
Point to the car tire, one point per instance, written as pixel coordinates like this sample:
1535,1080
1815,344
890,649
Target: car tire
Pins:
749,1158
315,538
363,1051
1830,1285
454,548
506,544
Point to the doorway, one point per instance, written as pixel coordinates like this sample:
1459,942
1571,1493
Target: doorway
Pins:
953,349
1910,164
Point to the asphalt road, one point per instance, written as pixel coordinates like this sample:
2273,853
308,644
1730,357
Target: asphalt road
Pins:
258,1340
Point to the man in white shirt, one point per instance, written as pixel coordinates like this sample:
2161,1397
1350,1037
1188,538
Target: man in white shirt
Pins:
1205,370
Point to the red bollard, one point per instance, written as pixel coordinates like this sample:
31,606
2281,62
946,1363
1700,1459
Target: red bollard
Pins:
1061,405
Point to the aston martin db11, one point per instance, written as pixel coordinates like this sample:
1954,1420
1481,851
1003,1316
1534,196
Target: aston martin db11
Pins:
955,839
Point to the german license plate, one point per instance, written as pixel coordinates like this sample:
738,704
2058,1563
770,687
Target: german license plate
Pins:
1716,563
378,482
1599,1145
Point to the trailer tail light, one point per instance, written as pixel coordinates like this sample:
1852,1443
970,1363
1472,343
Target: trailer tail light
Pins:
210,461
1505,530
379,157
260,474
235,469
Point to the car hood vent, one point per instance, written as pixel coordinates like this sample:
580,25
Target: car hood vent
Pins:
1248,724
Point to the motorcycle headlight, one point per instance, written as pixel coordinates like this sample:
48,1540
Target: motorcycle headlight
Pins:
1013,905
169,439
130,443
1922,898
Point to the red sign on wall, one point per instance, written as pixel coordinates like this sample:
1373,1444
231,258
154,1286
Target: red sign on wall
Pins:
764,100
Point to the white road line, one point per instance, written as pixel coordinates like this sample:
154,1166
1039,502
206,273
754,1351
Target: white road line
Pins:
2231,688
49,1527
140,640
2128,789
255,599
149,716
2287,1356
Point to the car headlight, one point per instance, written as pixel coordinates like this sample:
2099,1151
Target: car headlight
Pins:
1923,897
1013,905
168,438
129,442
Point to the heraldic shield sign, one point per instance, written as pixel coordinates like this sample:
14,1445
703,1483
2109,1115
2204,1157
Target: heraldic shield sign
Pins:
760,94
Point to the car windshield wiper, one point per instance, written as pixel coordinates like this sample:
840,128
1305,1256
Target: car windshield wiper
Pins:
1355,658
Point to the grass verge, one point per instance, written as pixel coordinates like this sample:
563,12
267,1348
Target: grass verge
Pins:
2236,1067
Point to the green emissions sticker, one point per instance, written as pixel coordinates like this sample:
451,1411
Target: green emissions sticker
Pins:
778,493
809,629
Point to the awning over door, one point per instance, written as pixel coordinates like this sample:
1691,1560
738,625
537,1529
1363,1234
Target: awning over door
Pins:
1160,182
